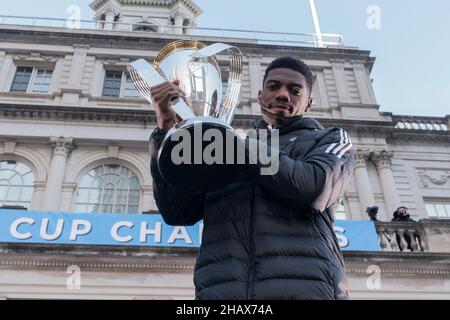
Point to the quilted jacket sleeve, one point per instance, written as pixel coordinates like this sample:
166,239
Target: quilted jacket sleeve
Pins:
176,207
318,179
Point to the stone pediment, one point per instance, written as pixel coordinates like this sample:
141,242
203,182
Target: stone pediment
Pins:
195,9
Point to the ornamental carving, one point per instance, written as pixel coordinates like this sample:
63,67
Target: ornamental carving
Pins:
35,57
361,156
381,159
428,178
62,146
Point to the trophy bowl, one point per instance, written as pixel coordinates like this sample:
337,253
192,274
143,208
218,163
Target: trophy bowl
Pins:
202,153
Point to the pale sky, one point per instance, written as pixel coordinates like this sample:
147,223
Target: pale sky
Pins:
411,75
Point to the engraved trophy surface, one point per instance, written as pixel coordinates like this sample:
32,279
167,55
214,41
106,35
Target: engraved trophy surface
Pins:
206,113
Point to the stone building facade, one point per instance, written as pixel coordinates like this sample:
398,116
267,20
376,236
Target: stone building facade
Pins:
70,114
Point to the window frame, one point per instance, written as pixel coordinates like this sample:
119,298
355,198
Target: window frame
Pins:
79,202
25,203
434,202
33,76
123,83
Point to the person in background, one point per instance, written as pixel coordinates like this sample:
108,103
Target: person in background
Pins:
401,215
372,213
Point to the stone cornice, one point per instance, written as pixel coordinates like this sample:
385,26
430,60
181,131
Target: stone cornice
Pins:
420,135
113,258
145,259
397,264
361,127
76,113
155,41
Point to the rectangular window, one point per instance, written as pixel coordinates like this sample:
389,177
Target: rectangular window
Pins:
41,82
111,87
130,89
21,79
32,80
119,84
438,209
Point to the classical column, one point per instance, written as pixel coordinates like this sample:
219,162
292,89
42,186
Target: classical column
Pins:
61,149
254,66
109,19
178,24
382,161
365,193
189,30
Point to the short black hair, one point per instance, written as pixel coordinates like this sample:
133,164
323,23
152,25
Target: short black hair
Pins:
294,64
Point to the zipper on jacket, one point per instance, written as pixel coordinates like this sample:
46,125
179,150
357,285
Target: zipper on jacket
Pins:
251,275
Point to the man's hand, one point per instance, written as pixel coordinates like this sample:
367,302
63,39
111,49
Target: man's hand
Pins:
163,97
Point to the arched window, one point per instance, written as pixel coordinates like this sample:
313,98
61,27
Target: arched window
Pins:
16,184
145,27
109,189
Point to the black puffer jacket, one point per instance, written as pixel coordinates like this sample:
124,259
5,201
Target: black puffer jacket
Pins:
270,237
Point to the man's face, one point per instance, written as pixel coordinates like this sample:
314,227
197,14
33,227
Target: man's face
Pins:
402,211
285,94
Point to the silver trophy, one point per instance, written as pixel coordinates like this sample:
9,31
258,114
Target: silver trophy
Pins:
204,107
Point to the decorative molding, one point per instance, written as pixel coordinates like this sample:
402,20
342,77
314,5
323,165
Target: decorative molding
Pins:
384,129
425,136
115,265
433,176
81,47
113,151
10,147
361,156
35,57
164,266
69,187
40,185
147,188
32,158
381,159
402,271
122,62
76,113
62,146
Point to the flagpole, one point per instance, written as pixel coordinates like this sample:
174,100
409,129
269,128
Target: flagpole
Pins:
318,35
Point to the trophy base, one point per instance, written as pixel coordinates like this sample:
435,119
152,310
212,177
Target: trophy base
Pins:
201,155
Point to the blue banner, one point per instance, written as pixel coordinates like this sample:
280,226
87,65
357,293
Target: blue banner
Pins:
357,235
18,226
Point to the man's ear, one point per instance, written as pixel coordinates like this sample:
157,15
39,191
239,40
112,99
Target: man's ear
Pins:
309,105
258,97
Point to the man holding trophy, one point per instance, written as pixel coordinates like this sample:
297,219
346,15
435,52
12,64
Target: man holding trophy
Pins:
265,236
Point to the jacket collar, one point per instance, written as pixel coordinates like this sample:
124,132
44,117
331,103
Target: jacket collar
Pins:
297,123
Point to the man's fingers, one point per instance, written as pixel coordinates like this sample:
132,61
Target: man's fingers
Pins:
167,96
158,86
175,83
160,93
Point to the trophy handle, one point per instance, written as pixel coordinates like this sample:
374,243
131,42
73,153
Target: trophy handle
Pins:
231,97
145,76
